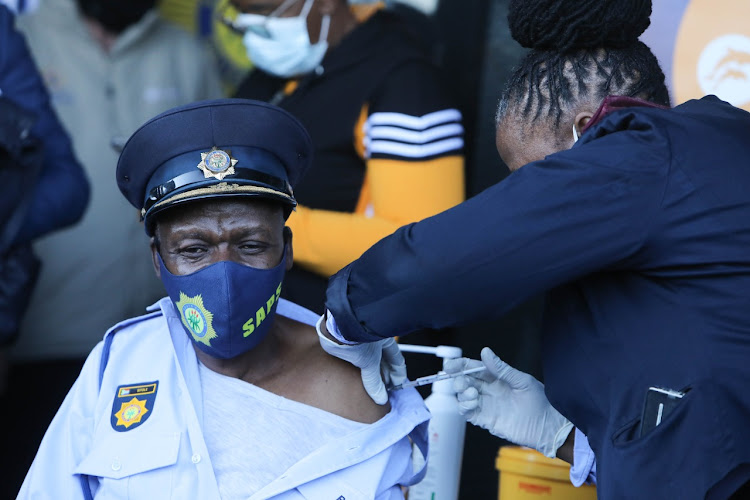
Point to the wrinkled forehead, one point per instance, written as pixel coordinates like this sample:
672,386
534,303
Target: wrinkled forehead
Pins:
235,211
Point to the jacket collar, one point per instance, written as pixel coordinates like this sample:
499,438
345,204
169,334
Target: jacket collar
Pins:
615,103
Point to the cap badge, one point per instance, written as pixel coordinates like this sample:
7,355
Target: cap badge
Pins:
217,164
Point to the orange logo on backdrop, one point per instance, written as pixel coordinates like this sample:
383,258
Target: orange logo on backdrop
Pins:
712,52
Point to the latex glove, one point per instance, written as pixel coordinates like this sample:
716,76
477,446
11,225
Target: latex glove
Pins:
381,362
509,403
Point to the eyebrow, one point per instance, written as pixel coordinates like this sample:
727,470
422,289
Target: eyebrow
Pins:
199,234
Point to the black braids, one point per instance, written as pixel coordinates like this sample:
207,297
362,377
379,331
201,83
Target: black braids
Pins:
582,50
550,82
568,25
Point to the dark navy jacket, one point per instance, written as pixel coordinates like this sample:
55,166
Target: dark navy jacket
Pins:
641,232
62,191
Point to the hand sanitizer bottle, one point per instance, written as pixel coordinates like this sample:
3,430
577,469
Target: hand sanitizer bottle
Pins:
447,429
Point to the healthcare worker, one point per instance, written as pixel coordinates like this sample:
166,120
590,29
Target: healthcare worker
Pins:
633,216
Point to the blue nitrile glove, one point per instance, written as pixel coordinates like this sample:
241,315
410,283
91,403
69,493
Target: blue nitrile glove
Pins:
509,403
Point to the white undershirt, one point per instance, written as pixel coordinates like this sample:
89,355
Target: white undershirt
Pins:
253,436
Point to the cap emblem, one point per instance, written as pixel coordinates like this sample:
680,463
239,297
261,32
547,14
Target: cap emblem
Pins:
217,164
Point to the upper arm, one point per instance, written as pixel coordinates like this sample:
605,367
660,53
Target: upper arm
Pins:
411,116
413,140
346,396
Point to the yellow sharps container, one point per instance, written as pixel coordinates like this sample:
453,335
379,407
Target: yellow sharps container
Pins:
526,474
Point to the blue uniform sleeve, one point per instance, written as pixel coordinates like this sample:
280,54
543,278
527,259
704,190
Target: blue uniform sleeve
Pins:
551,222
583,469
62,190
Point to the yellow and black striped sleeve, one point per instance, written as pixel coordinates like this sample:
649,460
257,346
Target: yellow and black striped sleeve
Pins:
411,139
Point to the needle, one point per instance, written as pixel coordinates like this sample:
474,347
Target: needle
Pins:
434,378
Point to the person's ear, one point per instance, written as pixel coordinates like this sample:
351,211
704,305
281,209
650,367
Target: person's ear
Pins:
155,257
289,247
580,121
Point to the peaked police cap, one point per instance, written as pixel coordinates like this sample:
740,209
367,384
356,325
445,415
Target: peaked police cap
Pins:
210,149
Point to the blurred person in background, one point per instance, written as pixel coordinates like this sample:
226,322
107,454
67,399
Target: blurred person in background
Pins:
109,66
44,188
388,138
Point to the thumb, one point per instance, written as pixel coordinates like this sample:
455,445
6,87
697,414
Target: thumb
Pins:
502,370
374,386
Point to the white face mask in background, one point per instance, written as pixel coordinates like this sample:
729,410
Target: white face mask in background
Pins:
428,7
21,6
281,45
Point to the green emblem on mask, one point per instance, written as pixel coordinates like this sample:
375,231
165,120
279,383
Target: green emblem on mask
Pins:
196,318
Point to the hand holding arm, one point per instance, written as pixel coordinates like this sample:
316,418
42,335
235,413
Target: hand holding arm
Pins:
381,362
509,403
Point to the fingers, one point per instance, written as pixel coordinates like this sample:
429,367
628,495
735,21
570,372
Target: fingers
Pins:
503,371
455,365
468,401
394,365
463,382
468,408
460,384
469,394
459,364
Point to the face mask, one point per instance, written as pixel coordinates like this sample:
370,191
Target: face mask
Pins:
115,15
286,51
226,308
575,134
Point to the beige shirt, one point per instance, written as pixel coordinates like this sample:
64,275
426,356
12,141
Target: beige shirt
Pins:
99,272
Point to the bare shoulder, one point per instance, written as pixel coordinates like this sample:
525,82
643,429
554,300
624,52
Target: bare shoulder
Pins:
329,383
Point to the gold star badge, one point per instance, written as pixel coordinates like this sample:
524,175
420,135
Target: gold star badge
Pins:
217,164
131,412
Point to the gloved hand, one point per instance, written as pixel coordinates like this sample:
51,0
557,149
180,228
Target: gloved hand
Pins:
509,403
381,362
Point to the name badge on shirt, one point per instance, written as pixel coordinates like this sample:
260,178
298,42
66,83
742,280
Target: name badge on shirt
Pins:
133,404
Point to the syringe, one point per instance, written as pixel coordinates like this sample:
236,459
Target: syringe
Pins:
429,379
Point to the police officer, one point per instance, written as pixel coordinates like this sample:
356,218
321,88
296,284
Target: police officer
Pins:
222,390
634,217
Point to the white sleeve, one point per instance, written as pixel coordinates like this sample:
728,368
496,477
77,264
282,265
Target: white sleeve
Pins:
333,329
583,469
67,440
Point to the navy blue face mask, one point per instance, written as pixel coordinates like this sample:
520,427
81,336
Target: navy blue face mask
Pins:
226,308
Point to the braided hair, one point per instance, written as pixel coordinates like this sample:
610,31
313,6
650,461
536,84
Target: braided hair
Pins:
581,50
